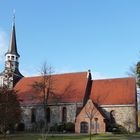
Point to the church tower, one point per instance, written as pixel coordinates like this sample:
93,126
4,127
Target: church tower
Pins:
11,73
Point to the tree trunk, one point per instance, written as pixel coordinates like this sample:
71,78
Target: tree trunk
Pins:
90,130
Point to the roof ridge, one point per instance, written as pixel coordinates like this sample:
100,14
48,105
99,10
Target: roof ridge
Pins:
118,78
56,74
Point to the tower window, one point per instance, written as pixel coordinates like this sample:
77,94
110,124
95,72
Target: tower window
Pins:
12,57
8,57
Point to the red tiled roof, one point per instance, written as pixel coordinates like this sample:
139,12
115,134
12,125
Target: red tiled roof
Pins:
68,87
114,91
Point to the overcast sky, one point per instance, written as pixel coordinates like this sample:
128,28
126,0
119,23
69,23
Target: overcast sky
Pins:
73,35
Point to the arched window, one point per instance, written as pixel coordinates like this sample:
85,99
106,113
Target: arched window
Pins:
83,127
8,57
33,115
12,57
96,125
112,116
48,114
64,114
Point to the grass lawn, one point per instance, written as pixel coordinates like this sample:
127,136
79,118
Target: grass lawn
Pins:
95,137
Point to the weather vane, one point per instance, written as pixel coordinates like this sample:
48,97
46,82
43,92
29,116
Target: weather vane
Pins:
14,11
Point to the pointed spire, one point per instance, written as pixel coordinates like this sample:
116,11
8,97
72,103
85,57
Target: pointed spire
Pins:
13,46
13,23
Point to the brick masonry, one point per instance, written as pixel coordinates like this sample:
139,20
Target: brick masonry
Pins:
90,112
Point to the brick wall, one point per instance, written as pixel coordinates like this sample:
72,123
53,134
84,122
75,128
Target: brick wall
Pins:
90,112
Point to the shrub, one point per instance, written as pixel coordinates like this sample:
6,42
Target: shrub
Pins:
54,128
119,129
70,127
57,128
116,129
21,127
61,128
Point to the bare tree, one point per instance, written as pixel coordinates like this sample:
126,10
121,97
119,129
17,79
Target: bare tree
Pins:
91,111
132,71
45,87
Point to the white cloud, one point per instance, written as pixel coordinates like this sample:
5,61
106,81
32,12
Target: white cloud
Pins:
97,75
29,72
3,45
65,69
32,71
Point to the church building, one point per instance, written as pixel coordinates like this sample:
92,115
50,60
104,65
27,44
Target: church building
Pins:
92,105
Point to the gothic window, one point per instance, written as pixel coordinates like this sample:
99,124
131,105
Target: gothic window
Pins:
96,125
83,127
112,116
48,114
33,115
8,57
64,114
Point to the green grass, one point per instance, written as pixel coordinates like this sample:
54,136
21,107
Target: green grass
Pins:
95,137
